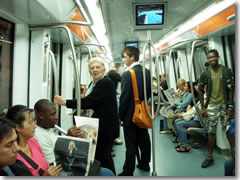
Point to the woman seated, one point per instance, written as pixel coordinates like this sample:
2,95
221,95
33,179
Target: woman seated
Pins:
185,120
181,105
30,157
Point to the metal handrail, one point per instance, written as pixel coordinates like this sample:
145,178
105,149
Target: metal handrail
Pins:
89,50
179,42
54,68
164,101
168,68
191,85
152,115
74,61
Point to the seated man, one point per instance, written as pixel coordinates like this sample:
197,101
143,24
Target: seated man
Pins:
8,146
46,116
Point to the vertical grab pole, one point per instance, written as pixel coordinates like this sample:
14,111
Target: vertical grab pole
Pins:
190,79
160,92
76,70
54,68
152,116
168,68
55,75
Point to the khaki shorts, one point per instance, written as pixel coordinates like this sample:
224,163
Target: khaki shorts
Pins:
216,112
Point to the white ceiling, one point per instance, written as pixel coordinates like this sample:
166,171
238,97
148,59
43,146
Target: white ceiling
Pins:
118,20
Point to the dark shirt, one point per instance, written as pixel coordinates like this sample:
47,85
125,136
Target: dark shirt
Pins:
115,77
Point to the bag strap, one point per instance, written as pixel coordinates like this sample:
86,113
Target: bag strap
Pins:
31,162
134,84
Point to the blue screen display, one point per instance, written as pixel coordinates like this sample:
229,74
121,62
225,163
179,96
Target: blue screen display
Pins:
149,14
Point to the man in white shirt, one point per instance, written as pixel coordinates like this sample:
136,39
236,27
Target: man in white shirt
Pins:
46,116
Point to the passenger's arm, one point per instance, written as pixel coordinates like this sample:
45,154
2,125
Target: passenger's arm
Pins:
125,94
186,101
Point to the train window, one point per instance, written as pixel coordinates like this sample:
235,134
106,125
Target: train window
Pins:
6,61
229,51
176,72
200,58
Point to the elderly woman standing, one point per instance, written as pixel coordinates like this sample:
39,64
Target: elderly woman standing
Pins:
101,98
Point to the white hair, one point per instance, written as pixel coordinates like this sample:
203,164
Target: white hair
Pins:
95,59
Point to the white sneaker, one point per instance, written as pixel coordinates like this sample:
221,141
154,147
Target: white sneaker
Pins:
117,141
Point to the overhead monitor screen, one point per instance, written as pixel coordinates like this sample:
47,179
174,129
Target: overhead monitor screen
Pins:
131,43
152,14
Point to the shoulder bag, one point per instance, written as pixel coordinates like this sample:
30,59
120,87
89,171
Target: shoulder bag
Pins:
140,115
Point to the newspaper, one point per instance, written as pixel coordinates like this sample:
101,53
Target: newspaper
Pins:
73,154
171,96
164,111
90,126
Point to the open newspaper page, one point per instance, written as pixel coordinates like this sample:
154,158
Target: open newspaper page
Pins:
164,111
171,96
90,126
73,153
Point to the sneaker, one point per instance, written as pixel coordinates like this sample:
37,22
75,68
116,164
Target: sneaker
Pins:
207,162
144,167
117,141
165,132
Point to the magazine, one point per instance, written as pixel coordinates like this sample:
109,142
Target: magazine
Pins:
90,128
171,96
164,111
73,154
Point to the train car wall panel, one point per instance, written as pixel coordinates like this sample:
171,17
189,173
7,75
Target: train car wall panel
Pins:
184,65
38,69
20,64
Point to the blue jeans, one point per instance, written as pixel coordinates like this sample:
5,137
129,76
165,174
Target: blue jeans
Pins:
180,125
105,172
164,120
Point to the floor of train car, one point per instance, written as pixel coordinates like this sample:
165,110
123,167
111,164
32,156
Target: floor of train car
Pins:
172,163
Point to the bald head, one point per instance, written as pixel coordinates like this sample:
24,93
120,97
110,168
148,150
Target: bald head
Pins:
46,113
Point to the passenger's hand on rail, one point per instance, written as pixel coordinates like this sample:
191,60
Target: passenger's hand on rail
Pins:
53,171
204,112
59,100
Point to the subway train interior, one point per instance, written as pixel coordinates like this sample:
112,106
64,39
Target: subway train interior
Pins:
45,47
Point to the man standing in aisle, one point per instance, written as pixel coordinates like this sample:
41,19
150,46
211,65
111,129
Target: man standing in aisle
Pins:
135,137
219,104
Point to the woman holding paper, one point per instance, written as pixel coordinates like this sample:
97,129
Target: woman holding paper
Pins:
101,97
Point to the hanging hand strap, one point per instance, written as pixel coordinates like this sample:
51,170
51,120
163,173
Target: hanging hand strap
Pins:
134,84
31,162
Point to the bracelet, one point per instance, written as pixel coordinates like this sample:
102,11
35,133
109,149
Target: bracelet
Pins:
231,106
